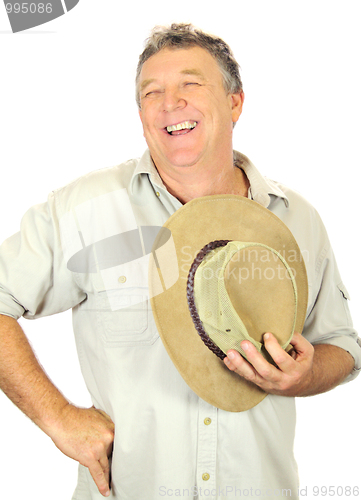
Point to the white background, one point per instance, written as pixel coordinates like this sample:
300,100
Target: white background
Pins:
67,107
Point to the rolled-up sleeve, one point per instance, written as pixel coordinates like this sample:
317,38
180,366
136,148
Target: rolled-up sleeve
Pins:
329,321
34,279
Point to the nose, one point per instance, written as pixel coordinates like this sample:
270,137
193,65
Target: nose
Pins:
173,100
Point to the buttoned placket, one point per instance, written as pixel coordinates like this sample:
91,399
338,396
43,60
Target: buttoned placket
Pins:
207,451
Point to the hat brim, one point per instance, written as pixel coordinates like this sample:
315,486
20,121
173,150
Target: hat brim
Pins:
200,221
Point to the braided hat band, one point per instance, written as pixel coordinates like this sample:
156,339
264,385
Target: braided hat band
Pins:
190,296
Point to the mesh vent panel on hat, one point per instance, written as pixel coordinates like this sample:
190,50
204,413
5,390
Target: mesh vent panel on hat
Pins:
238,289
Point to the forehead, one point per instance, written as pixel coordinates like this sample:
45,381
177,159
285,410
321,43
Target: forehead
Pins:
169,63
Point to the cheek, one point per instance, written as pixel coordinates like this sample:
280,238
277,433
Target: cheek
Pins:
149,119
146,114
216,107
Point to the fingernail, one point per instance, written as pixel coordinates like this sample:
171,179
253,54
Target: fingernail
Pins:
230,355
266,336
245,346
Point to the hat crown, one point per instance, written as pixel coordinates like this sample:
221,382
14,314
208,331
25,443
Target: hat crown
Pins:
240,291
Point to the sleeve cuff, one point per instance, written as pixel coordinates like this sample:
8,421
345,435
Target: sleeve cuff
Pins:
9,306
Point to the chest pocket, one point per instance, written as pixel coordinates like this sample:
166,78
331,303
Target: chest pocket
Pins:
123,310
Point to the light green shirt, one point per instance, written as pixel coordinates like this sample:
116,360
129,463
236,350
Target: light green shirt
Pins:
71,253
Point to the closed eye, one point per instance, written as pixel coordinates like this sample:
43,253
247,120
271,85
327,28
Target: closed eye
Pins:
152,92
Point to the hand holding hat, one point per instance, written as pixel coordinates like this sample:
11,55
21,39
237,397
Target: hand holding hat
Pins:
291,374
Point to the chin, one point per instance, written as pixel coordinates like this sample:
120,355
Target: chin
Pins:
183,160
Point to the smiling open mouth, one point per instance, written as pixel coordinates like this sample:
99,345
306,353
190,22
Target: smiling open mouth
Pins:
181,128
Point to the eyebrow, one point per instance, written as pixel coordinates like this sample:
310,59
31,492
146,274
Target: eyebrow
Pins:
193,72
145,83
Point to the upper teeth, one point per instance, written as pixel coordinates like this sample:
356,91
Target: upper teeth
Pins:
181,126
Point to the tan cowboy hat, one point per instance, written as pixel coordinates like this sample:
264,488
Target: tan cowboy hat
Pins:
225,269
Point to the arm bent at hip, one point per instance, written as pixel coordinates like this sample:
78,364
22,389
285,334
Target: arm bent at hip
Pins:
86,435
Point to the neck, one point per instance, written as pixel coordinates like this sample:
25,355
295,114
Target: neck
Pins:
187,183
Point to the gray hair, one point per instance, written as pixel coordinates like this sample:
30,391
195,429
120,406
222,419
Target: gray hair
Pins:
182,36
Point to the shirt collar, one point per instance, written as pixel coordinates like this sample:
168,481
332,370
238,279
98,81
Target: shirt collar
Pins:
146,166
260,187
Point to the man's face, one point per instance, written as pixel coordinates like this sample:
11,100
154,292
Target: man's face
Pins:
186,114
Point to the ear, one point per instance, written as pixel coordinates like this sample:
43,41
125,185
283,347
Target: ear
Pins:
237,101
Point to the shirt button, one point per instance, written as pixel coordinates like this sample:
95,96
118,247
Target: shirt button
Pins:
122,279
157,193
207,420
205,476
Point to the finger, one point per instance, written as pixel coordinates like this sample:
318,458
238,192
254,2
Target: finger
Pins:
100,474
260,364
293,353
235,362
283,360
105,465
301,345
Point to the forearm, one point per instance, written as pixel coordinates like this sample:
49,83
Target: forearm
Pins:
24,381
331,365
86,435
